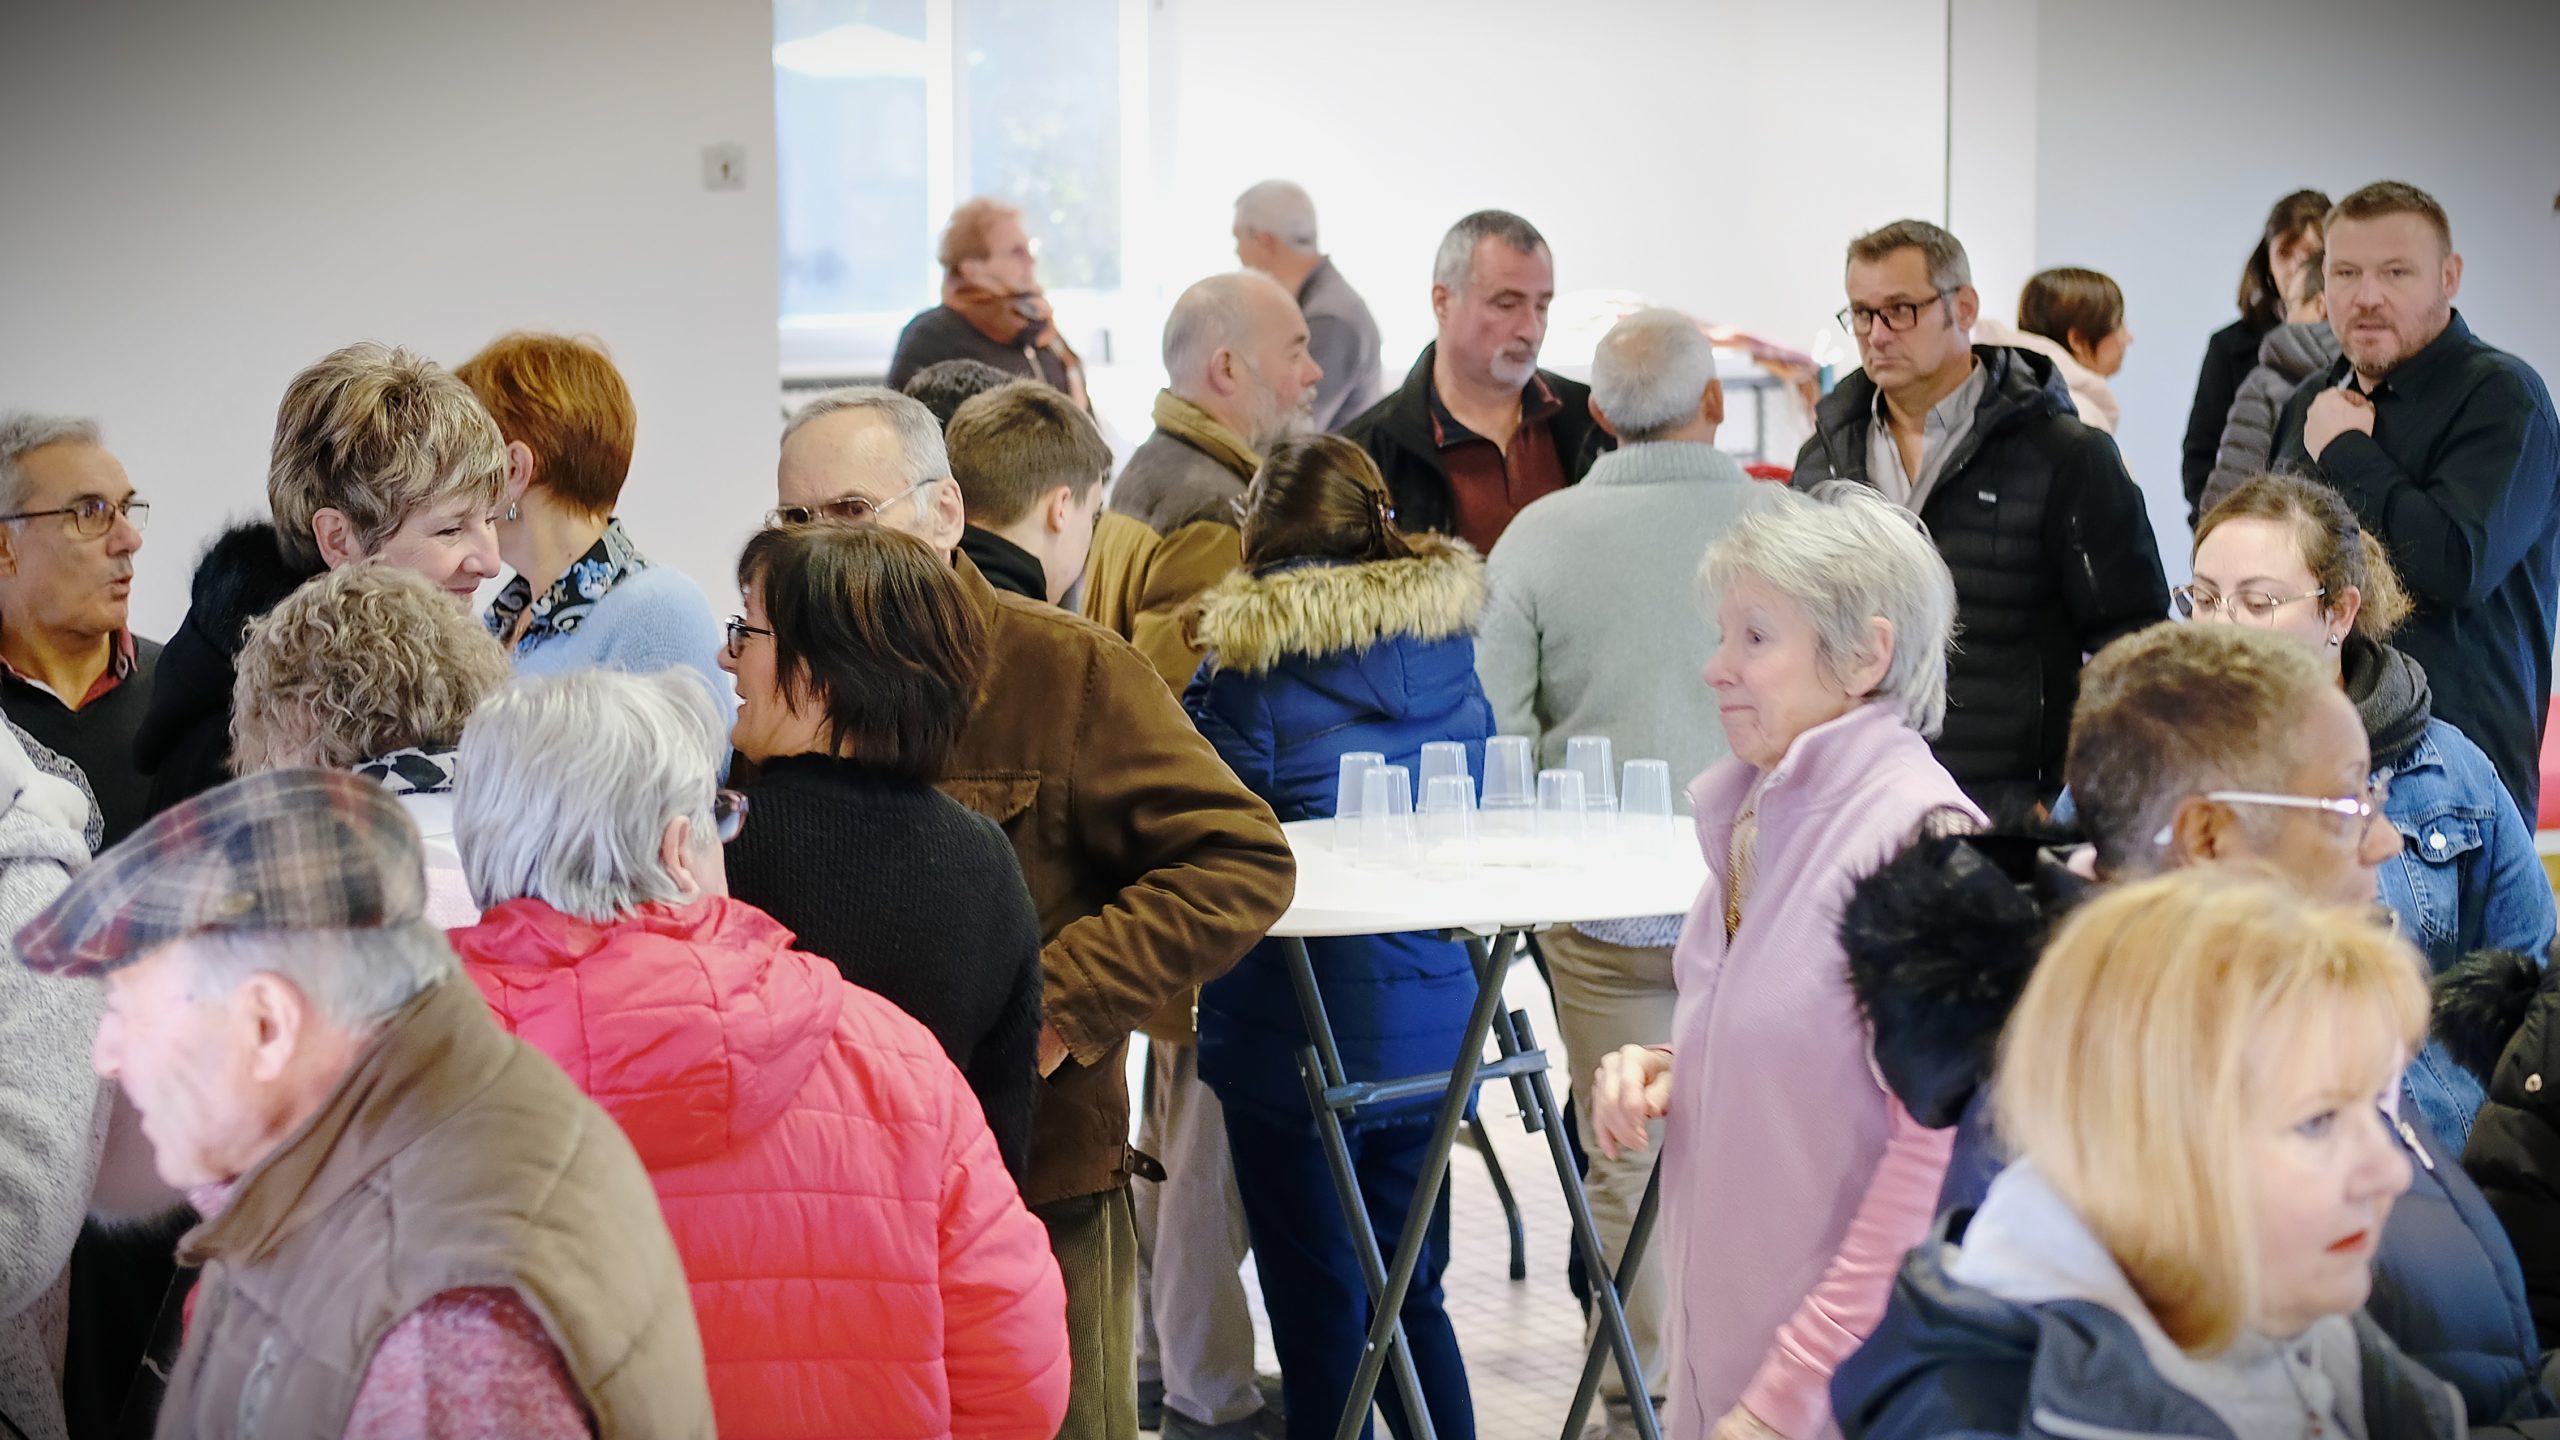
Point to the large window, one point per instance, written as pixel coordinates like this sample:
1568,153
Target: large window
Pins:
889,112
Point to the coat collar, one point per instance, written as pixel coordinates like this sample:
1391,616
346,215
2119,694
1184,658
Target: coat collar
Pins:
1251,621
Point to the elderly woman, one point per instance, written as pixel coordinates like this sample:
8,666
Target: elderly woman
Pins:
861,1264
378,455
1792,1179
857,661
373,670
992,309
583,594
2286,554
2198,1083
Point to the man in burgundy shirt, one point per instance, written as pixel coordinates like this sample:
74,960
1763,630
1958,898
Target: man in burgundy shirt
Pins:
1477,430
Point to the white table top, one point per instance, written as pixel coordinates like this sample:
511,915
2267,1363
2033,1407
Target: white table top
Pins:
1613,881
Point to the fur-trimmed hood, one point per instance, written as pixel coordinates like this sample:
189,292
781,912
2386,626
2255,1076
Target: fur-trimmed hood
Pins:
2483,1004
1940,941
1252,621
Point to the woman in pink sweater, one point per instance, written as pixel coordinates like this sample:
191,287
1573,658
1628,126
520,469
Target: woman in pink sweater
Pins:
1792,1181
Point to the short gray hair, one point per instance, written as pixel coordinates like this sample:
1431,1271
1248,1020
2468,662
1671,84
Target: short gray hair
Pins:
920,449
22,434
1949,269
356,979
1848,556
1455,263
566,784
1214,314
1281,209
1650,371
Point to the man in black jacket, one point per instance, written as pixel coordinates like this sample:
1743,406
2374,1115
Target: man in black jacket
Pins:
2449,451
2033,512
1477,430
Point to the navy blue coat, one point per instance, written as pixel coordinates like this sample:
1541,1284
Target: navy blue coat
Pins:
1307,663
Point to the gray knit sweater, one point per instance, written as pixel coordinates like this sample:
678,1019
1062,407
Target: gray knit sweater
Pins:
53,1109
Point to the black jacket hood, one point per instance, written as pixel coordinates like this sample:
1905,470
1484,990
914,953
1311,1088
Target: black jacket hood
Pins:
243,575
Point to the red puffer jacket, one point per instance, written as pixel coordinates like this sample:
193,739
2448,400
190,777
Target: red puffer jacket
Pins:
861,1264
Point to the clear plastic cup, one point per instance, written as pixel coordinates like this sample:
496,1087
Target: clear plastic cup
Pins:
1510,794
1644,805
1440,759
1448,826
1346,798
1591,756
1386,817
1563,813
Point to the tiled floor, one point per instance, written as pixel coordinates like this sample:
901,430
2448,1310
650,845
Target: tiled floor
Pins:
1522,1339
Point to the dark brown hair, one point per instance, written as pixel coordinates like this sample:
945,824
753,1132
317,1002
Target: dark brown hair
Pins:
1018,442
1320,498
2261,304
2337,550
945,385
565,401
2067,301
2392,197
872,626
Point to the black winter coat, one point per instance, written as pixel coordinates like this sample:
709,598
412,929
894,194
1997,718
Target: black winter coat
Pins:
2228,358
184,744
1940,942
1397,434
2499,1015
2052,555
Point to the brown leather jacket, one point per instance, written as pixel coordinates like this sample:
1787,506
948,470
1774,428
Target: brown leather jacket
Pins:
1153,868
451,1156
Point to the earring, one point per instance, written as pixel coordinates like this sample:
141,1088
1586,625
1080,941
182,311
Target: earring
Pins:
511,515
2336,640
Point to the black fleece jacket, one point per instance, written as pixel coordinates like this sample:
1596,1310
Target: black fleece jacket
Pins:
184,744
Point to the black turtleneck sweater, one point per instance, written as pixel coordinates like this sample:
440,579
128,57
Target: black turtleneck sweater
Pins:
1006,565
915,899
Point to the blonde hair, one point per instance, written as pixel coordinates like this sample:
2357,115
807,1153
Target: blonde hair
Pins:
362,661
377,434
2134,1068
965,238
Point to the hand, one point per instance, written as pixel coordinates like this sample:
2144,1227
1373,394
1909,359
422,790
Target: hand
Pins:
1741,1424
2334,412
1634,1087
1053,1049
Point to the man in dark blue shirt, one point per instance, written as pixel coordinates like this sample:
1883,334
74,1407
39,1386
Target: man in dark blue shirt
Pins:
2449,451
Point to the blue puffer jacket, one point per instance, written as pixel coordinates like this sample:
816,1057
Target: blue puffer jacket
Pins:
1306,663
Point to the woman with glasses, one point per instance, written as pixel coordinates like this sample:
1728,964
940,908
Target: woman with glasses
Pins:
857,662
374,670
2285,554
860,1261
2196,1083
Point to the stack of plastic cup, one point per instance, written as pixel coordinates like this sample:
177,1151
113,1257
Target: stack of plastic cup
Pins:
1589,756
1386,818
1644,807
1441,758
1563,817
1448,825
1346,800
1510,797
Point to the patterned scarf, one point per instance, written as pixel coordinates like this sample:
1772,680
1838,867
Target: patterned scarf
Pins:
414,771
562,608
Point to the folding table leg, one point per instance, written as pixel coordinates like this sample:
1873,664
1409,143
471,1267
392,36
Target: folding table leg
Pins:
1482,1144
1491,967
1628,1259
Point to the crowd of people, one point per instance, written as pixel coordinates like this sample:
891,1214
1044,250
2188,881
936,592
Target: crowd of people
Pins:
582,1018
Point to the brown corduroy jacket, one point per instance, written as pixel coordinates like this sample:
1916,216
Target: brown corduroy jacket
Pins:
452,1156
1152,867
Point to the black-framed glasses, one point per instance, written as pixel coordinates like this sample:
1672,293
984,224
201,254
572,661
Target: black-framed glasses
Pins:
2255,606
728,814
1899,316
739,630
857,508
94,515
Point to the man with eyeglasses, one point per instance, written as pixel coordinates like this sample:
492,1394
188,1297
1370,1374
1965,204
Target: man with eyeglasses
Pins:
2033,512
2190,745
1152,867
72,673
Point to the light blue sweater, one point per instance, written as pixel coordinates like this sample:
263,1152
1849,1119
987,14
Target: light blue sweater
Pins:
652,620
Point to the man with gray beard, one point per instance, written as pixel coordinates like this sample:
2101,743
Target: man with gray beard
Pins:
1477,430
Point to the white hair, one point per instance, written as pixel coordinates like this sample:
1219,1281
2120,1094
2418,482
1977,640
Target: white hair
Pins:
922,454
1281,209
1650,371
1215,314
566,784
1455,264
21,435
1848,556
356,979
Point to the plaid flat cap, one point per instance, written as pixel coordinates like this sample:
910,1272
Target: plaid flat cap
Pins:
281,850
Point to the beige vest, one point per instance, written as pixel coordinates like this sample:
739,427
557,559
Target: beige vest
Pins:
451,1156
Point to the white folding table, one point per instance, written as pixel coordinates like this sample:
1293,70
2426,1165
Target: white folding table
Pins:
1490,908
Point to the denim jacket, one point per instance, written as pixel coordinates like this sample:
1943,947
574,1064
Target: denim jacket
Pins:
2467,878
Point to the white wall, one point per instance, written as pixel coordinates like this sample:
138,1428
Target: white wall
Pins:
202,198
2165,132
